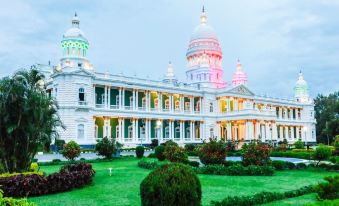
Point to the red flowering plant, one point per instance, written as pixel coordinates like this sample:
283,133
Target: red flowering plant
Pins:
256,153
71,150
213,152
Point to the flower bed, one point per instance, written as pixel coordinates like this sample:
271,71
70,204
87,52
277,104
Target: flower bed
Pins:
262,197
70,176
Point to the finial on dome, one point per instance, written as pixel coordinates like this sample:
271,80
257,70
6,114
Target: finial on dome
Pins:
203,16
75,21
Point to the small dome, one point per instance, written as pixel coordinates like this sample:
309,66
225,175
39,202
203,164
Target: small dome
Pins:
75,32
301,89
239,76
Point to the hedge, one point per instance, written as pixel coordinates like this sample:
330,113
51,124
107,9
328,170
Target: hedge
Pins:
300,155
262,197
236,170
70,176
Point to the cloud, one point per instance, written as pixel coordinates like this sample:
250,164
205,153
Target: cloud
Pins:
273,39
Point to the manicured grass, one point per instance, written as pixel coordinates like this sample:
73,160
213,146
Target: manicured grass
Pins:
297,201
122,188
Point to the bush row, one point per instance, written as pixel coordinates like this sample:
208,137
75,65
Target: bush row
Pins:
300,155
262,197
59,162
236,170
70,176
23,173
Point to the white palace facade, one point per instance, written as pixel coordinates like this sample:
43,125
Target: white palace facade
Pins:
134,111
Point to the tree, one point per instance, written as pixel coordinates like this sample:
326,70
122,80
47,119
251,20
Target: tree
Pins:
299,144
213,152
327,116
28,118
322,152
71,150
106,147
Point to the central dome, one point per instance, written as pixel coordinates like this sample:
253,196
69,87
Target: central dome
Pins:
203,31
75,32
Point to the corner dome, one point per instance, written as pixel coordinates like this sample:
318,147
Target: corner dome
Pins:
75,32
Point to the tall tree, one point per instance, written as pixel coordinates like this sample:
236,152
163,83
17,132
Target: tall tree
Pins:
28,118
327,116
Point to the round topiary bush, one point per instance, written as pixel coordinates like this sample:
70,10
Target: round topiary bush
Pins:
71,150
139,151
159,152
174,153
171,184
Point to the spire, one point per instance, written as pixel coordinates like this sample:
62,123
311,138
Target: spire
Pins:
170,76
203,16
239,76
75,21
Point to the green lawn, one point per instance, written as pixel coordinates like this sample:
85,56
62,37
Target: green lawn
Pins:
122,188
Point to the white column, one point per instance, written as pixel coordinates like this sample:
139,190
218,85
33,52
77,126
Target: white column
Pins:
191,130
120,98
133,130
159,101
236,106
136,100
123,98
228,102
109,97
109,130
292,132
133,95
274,131
200,106
229,131
281,128
181,130
105,128
137,129
250,131
181,103
192,104
94,95
297,132
120,131
286,132
267,131
201,128
105,96
257,130
170,98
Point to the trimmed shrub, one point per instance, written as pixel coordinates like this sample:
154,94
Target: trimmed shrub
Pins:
106,147
290,165
70,176
154,143
8,201
236,170
56,160
190,147
256,154
279,164
321,153
299,144
171,184
174,153
34,167
159,152
139,151
300,155
194,163
330,189
150,165
301,165
152,155
71,150
3,175
262,197
212,152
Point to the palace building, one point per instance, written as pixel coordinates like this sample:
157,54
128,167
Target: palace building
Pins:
134,111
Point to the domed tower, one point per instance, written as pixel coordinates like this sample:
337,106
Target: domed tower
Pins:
170,76
239,76
301,89
74,48
204,56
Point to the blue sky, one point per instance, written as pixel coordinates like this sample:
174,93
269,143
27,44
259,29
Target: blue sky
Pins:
273,39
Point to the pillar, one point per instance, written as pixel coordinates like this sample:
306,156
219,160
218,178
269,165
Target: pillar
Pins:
109,97
123,98
274,131
136,100
229,131
286,132
120,98
182,131
191,130
200,106
292,132
297,132
192,104
236,107
257,130
228,102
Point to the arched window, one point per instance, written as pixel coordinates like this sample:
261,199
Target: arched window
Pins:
81,131
81,94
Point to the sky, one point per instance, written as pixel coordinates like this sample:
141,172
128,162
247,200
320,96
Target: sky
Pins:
274,40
